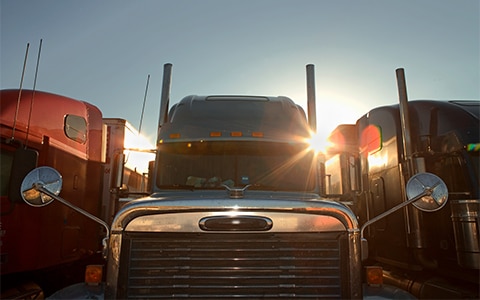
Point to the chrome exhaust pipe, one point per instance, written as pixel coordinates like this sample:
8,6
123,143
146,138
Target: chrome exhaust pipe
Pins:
312,111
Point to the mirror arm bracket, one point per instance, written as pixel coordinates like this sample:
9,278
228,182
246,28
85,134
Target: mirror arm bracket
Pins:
427,192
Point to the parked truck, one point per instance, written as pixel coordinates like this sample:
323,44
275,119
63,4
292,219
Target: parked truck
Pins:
235,211
127,158
432,255
42,248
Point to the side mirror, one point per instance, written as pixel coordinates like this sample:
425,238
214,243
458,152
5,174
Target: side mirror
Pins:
426,191
42,185
437,192
45,177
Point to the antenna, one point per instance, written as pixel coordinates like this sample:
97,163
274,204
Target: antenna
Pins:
20,92
33,93
143,108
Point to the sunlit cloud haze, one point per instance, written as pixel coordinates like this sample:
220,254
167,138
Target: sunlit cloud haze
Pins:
102,51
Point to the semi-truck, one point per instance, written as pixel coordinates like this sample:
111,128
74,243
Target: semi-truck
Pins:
235,211
126,163
41,248
432,255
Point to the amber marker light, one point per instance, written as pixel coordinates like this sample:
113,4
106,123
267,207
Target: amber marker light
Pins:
236,133
93,274
257,134
215,134
174,135
374,275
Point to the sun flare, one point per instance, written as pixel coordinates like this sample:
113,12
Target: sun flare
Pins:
138,151
318,142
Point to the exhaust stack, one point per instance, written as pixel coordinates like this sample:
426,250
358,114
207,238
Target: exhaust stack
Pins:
404,119
416,236
165,98
312,111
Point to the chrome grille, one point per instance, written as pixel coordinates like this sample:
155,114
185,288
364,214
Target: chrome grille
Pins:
234,265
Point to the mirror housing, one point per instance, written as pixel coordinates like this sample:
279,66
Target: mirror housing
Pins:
437,196
45,177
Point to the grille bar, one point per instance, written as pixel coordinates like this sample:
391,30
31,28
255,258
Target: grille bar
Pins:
217,265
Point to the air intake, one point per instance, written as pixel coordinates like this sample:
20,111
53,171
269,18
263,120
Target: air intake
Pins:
234,265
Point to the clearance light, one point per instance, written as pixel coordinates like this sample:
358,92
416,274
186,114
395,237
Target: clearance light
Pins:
215,134
236,133
93,274
174,135
374,275
257,134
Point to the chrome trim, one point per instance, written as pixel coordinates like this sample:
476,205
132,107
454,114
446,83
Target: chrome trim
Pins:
208,203
181,212
235,223
113,265
189,221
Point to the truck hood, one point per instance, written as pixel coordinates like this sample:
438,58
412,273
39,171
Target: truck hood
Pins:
219,201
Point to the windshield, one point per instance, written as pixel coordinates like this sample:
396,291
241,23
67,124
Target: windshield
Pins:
268,166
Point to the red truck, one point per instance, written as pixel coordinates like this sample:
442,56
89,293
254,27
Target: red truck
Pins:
41,248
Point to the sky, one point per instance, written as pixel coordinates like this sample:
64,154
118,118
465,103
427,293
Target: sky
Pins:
102,52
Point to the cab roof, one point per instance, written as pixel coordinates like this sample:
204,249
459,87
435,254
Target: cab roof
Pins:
235,117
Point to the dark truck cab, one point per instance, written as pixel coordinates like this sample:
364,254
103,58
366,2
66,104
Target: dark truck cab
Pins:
432,255
235,211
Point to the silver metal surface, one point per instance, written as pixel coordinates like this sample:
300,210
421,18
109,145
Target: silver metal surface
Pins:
47,177
437,192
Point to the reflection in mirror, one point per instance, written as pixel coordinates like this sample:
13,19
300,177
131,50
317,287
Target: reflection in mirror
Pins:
436,189
45,177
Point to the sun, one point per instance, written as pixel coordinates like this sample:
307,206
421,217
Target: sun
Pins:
318,142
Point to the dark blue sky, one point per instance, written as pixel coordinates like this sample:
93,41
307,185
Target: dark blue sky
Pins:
102,51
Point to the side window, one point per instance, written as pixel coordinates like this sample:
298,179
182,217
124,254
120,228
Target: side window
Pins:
75,128
6,158
333,172
371,139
